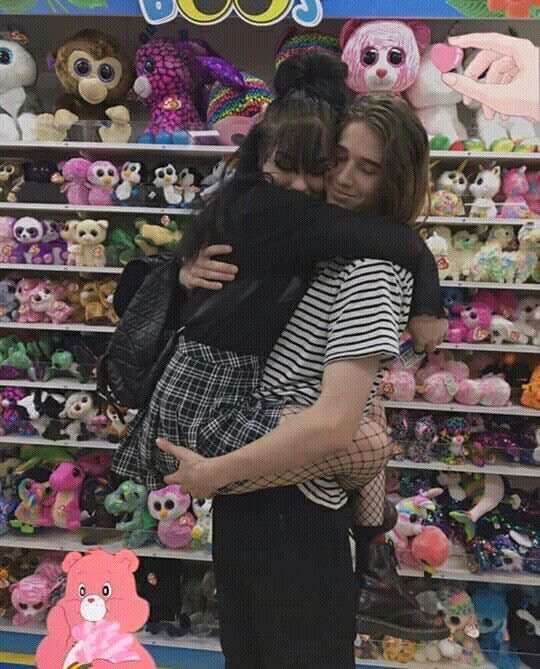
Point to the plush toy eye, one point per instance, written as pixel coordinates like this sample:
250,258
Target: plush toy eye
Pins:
106,72
38,606
413,518
93,233
370,56
160,174
169,171
454,620
82,67
133,168
396,56
84,400
479,181
6,56
169,504
23,606
82,590
33,232
19,231
76,471
110,172
149,65
157,506
100,172
10,169
106,590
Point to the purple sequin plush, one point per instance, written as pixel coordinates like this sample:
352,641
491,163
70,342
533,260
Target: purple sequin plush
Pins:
166,81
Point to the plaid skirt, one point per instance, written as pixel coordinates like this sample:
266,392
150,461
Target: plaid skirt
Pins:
205,400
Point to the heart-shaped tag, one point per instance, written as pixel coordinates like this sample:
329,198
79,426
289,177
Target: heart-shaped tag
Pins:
446,57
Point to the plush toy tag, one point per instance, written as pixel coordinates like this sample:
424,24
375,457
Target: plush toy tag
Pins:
408,356
446,57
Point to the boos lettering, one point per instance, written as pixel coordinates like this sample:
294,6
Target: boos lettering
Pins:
307,13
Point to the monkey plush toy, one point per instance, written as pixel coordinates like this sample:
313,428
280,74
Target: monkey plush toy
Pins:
96,76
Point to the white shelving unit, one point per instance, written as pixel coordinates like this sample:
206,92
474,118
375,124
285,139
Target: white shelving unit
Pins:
485,284
57,327
15,267
93,209
462,408
496,348
464,220
179,151
56,384
39,441
529,471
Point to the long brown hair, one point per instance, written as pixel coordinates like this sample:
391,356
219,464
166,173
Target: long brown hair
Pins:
405,149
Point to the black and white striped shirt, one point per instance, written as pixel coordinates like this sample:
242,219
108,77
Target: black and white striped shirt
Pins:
353,309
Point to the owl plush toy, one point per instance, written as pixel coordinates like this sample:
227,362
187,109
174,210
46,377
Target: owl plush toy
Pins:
169,506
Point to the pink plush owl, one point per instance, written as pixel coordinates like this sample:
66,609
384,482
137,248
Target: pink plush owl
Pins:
383,56
170,506
102,179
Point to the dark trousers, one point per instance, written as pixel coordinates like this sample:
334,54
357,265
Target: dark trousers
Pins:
285,582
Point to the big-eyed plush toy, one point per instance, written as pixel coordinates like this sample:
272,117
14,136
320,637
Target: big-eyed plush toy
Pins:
383,56
95,75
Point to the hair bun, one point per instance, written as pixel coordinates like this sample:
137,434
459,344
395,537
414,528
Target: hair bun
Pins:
316,74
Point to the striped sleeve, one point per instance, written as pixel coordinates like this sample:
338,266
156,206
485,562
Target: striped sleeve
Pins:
365,317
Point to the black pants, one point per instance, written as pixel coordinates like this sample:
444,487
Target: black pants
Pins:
285,582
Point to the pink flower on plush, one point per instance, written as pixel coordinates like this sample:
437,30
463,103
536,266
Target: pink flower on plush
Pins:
439,388
383,56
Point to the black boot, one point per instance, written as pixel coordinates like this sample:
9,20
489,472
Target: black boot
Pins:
385,606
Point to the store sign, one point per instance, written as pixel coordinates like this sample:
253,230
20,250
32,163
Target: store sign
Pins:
307,13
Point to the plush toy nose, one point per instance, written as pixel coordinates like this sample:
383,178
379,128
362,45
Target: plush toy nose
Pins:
381,73
92,90
142,87
90,600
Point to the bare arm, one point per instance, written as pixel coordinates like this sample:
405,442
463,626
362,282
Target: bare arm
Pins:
305,438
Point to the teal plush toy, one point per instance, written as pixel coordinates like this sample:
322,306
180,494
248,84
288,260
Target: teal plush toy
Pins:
129,500
492,614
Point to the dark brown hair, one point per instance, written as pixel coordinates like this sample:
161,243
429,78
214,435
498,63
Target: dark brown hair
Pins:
405,149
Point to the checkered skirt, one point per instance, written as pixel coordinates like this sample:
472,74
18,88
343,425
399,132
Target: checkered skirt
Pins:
205,401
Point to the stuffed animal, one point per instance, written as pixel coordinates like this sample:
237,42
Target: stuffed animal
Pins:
97,300
515,186
19,105
10,251
491,390
398,385
383,56
102,179
169,506
118,422
472,325
439,388
398,650
52,236
28,512
430,549
484,188
491,612
44,410
81,411
67,480
11,180
466,246
502,330
441,252
488,492
189,181
153,238
95,75
129,190
528,318
9,303
29,234
530,396
42,305
68,236
533,195
121,247
201,534
73,180
524,626
37,186
129,501
89,235
462,645
31,596
161,584
434,101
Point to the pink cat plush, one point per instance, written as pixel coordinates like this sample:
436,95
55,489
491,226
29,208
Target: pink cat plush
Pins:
383,56
96,620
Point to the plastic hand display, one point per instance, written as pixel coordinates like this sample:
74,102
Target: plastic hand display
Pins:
513,74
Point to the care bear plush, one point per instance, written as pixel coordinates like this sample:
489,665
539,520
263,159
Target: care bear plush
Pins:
89,235
94,624
383,56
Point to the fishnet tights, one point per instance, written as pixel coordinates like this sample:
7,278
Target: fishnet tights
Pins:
360,467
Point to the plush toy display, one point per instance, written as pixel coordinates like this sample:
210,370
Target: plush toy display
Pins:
73,180
201,533
41,302
102,177
67,480
31,596
129,501
462,645
19,105
434,101
166,191
29,233
81,411
383,56
151,239
169,506
95,75
97,299
515,186
132,176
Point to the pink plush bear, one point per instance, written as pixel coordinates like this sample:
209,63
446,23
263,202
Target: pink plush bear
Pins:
383,56
102,177
43,305
398,385
73,180
472,325
491,391
67,480
96,620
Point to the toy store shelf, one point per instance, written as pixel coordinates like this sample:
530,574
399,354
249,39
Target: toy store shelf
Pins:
417,665
515,156
513,410
61,268
188,150
63,540
143,211
485,284
502,469
500,348
463,220
57,327
456,570
63,384
17,440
